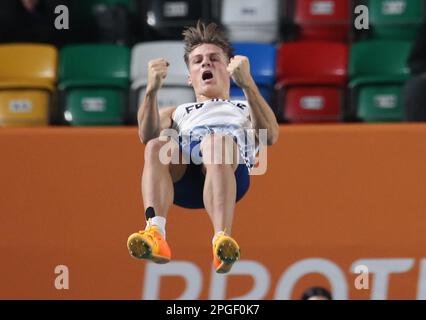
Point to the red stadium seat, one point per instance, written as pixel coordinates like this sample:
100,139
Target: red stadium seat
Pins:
322,19
311,81
317,104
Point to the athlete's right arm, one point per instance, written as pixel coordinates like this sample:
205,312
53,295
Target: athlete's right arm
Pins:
150,120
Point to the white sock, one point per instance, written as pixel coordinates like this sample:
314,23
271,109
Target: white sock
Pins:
216,235
160,222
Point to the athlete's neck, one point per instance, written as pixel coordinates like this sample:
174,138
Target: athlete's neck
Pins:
202,98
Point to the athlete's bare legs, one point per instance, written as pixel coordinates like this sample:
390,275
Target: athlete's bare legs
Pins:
157,192
220,159
158,178
219,192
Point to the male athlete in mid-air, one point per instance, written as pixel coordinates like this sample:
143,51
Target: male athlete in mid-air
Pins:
208,122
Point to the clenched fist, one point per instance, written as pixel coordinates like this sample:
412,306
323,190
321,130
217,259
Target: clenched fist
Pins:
239,70
157,72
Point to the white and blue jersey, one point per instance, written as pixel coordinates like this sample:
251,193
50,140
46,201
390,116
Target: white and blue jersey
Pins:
195,120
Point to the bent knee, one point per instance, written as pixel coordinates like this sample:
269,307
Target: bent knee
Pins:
154,145
218,149
215,139
166,152
217,143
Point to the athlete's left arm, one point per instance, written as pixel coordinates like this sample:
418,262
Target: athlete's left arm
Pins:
261,114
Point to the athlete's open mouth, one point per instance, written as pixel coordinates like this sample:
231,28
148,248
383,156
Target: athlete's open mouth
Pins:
207,75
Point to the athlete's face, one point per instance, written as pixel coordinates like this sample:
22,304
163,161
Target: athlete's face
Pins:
207,65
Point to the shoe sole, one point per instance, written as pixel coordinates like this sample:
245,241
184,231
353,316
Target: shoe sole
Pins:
140,248
228,253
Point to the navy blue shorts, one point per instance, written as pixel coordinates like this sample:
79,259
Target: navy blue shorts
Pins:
188,191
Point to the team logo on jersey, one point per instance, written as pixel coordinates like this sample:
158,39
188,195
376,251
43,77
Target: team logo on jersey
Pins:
197,106
194,107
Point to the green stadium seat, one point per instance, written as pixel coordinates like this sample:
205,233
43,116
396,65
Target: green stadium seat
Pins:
94,82
396,19
380,103
377,71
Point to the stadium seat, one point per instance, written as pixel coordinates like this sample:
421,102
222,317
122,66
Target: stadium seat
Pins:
322,19
27,83
378,70
262,59
396,19
175,89
311,77
104,21
94,81
166,19
251,20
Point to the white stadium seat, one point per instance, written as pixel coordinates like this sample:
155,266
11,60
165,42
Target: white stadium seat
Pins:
251,20
175,89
